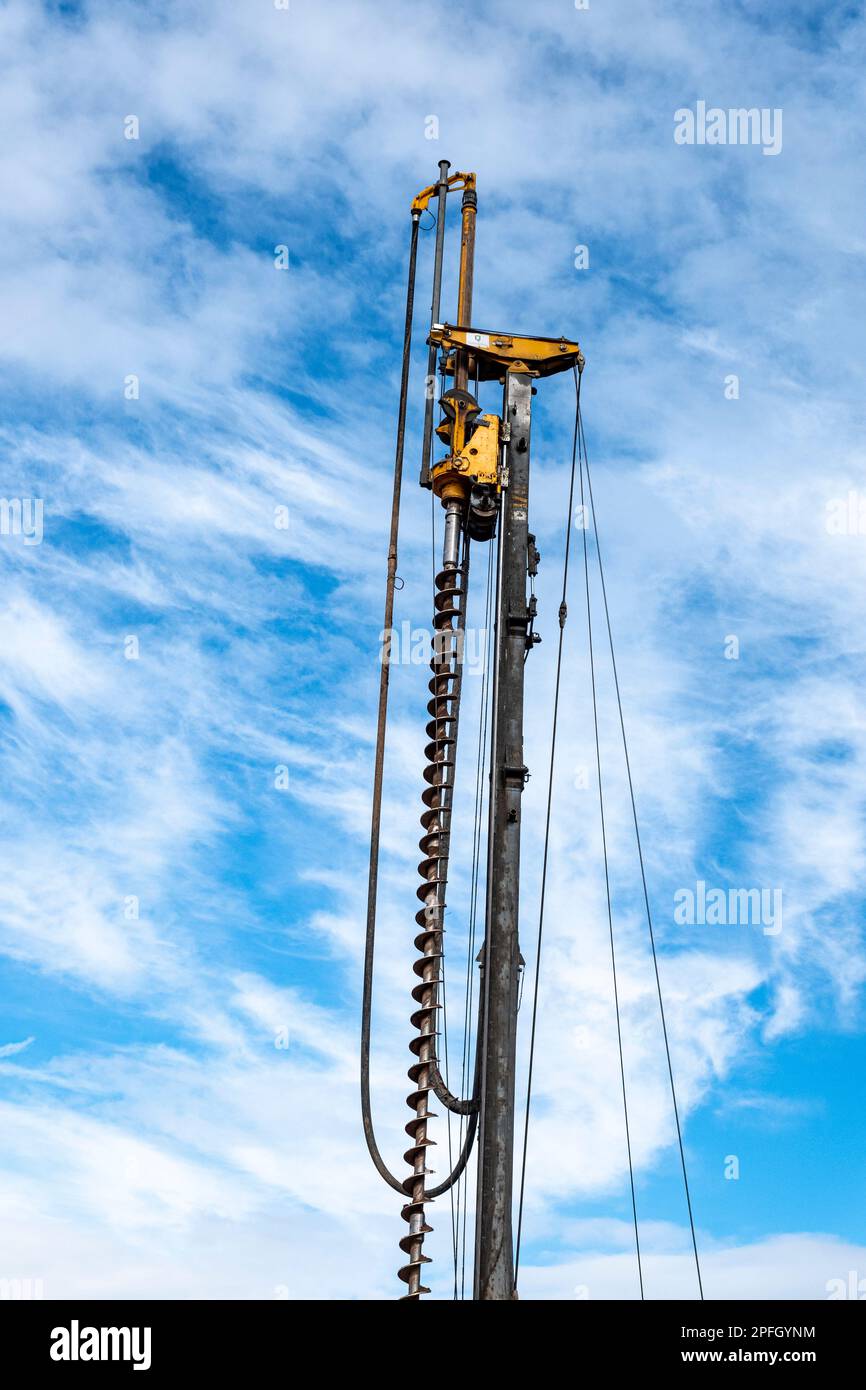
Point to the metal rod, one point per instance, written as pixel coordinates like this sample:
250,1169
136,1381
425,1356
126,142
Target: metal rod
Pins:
466,282
469,208
494,1262
491,809
453,532
442,188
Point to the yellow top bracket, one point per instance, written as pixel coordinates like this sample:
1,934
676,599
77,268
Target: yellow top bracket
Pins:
497,353
421,203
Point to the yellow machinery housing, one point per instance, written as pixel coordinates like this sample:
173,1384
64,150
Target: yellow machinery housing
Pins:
475,439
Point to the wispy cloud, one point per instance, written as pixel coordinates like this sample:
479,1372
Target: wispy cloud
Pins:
165,906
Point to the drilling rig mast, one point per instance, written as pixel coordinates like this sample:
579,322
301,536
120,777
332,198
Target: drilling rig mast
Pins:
482,482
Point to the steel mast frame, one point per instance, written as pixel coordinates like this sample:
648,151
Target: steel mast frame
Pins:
488,459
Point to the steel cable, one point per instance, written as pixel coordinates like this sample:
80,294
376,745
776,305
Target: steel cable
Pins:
579,451
604,853
641,862
563,612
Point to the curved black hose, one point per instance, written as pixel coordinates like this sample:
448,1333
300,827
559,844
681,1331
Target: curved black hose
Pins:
462,1107
379,764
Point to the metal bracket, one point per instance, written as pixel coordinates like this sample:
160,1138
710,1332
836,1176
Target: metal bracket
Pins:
533,556
532,637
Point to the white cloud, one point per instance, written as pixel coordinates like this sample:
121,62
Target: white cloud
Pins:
795,1266
260,645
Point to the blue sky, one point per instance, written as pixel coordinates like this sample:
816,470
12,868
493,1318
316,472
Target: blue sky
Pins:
155,1141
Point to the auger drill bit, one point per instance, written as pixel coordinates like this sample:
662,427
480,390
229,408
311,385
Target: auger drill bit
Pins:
444,708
